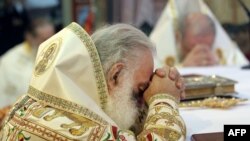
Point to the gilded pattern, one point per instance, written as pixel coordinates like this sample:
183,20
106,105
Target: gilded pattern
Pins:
99,75
25,110
47,56
162,96
65,105
20,123
169,117
22,137
23,120
164,133
174,13
115,134
14,134
84,123
163,121
19,104
96,134
221,57
37,129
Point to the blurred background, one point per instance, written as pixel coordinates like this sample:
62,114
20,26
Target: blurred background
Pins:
91,14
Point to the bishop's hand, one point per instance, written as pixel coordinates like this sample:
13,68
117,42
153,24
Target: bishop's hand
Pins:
166,80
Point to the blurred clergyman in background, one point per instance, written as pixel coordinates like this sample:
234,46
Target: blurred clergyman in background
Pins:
17,63
197,38
188,34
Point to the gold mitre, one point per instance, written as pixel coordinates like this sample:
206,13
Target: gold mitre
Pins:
68,73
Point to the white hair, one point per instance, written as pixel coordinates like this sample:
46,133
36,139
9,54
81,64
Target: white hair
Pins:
120,43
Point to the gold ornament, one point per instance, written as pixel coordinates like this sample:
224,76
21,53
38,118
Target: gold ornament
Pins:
213,102
47,56
170,61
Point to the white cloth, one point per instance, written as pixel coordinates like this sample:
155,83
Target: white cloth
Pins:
15,68
164,33
205,120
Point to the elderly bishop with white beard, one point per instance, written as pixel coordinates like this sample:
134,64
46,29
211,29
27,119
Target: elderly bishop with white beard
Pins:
94,88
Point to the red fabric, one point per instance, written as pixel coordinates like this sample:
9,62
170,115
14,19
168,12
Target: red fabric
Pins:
149,137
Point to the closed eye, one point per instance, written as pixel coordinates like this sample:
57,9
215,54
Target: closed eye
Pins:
143,87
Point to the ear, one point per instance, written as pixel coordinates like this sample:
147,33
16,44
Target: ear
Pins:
114,75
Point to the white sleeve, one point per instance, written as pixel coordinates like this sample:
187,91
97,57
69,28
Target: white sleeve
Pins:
6,87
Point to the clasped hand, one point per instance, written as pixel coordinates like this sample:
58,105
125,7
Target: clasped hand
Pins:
166,80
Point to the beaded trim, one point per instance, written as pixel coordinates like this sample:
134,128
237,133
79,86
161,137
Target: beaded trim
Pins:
64,105
98,71
162,96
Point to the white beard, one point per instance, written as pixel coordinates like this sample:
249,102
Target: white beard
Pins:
121,106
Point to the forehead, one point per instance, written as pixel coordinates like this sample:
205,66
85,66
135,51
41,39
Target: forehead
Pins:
199,24
144,68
